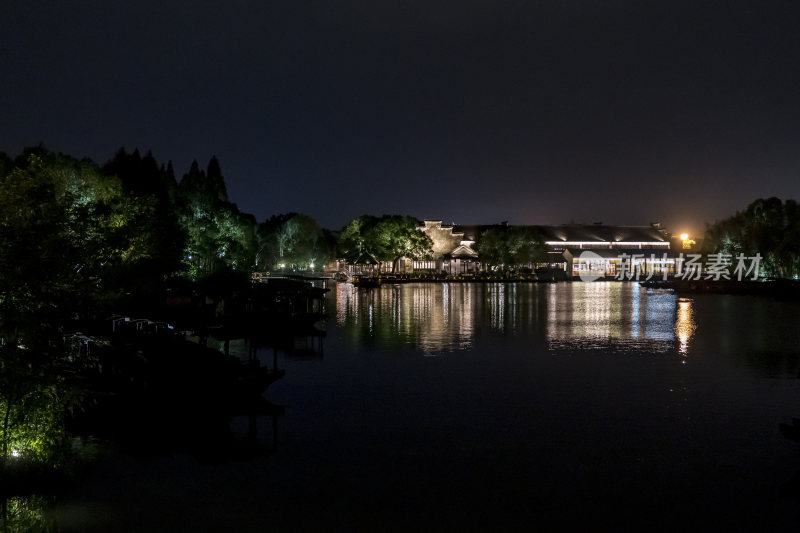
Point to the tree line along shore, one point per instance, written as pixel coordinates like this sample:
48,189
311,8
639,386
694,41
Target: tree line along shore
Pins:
81,242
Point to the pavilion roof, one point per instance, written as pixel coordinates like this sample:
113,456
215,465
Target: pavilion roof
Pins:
580,232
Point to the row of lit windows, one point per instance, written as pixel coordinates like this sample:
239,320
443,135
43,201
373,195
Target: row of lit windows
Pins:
560,245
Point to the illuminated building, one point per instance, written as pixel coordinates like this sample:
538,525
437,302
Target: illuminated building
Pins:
646,247
573,249
452,250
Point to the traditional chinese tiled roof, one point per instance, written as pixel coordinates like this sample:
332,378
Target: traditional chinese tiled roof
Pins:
464,251
580,232
601,233
366,259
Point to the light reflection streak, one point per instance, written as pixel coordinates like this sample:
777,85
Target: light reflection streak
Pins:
684,325
438,318
445,302
497,299
610,316
635,329
441,318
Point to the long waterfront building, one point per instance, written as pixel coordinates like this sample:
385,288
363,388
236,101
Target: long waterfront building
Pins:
572,249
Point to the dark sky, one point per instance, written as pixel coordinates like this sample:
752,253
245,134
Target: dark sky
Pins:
473,112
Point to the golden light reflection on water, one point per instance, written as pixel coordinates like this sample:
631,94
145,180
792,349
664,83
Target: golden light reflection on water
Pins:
610,315
445,317
436,317
684,325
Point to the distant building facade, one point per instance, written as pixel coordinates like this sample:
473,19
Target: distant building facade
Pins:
647,248
452,251
572,249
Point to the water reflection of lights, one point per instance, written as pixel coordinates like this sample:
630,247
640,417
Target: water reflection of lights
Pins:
445,302
610,315
497,303
436,317
635,328
684,324
442,318
346,302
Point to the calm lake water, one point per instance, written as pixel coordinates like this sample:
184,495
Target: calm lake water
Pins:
464,407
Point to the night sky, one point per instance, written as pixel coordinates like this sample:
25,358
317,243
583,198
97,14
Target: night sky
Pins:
471,112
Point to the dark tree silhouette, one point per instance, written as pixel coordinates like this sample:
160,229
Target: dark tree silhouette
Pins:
768,226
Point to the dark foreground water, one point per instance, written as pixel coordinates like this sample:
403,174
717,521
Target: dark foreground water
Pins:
447,407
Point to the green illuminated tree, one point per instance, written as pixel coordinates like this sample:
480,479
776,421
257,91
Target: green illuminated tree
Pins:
293,240
398,236
33,403
218,234
769,227
35,253
511,247
354,239
26,513
526,247
144,181
491,247
388,238
62,231
68,235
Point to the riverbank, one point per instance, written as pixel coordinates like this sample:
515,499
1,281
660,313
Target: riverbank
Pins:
157,379
471,407
394,280
773,287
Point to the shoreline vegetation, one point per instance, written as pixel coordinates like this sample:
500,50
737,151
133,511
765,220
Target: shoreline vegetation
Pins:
113,279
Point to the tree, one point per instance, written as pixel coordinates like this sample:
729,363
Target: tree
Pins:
215,183
353,238
398,236
145,183
218,234
491,247
526,247
389,238
293,240
769,227
36,274
511,247
34,399
65,230
69,234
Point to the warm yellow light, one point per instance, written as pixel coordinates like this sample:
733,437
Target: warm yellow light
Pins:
684,236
